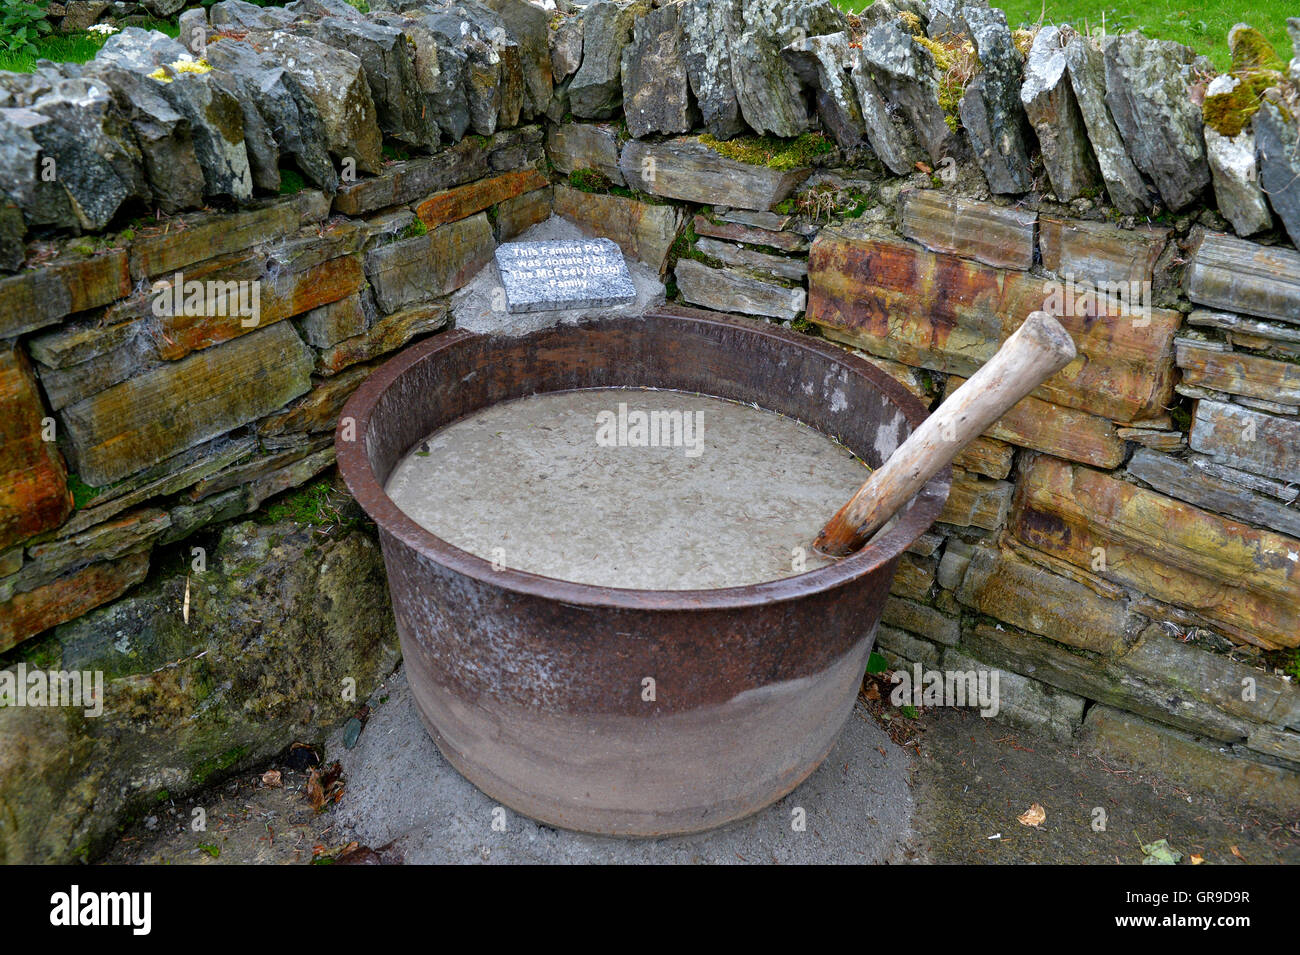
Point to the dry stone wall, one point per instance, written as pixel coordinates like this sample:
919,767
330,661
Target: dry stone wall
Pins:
205,246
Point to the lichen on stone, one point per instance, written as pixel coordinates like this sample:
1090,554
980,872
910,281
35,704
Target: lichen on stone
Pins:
912,23
1023,40
185,64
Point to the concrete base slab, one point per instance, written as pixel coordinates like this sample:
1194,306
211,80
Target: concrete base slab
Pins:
857,806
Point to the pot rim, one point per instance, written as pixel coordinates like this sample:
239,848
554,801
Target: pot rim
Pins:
354,465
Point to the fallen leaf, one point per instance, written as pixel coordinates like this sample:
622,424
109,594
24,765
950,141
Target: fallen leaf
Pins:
355,854
315,793
325,789
924,168
1034,816
872,692
1197,860
271,778
1237,852
1161,852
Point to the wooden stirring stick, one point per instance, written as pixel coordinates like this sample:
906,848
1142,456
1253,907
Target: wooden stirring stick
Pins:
1038,349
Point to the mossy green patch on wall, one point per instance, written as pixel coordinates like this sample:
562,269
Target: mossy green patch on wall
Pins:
955,63
317,505
1251,51
1228,113
82,493
590,180
772,151
210,765
282,621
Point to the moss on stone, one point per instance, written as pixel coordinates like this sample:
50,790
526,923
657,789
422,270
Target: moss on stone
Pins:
318,505
257,666
940,53
684,247
955,62
45,653
1228,113
1251,51
1257,68
212,765
772,151
827,201
291,183
949,101
802,325
596,182
590,180
82,493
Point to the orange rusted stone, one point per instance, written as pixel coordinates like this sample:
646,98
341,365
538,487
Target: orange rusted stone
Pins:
898,300
33,480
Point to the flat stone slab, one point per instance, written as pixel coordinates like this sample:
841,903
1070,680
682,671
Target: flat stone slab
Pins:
550,276
481,307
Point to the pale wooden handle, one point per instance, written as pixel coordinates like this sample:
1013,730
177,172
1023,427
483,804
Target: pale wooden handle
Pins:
1038,349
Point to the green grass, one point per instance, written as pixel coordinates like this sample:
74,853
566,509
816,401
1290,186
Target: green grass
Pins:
318,504
1203,27
70,48
596,182
684,248
1288,661
74,48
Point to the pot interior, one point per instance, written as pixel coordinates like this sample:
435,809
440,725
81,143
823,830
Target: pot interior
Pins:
456,374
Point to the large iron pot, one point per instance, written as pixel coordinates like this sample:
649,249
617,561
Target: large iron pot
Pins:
534,688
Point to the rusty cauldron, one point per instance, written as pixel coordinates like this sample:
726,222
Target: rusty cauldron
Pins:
533,688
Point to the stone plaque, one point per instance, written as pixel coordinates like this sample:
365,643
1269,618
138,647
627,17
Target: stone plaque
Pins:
548,276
